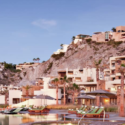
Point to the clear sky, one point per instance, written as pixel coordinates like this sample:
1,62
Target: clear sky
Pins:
36,28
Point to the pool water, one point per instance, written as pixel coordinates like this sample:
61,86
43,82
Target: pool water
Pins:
26,118
49,119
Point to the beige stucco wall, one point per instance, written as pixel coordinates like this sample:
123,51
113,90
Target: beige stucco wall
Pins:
99,37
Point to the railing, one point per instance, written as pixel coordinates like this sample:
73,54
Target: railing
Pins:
83,116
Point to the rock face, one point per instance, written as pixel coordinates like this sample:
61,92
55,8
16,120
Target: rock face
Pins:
77,56
8,77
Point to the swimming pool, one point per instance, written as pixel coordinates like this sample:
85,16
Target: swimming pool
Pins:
52,118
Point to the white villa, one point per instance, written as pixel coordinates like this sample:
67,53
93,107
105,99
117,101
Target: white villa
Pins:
15,96
63,49
80,37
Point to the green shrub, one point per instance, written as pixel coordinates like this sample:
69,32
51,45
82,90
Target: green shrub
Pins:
49,67
114,43
15,70
91,57
24,73
111,109
88,41
58,56
95,48
3,105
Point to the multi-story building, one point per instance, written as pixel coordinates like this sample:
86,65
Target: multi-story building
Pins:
118,35
113,77
85,77
102,36
26,65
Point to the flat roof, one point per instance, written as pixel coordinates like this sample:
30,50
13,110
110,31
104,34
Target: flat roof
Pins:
97,32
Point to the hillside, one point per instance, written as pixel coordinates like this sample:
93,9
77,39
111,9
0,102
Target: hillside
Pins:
77,56
8,77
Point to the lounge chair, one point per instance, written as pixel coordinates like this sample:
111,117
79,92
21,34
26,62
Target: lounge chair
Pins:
92,110
15,111
41,110
98,114
74,111
8,111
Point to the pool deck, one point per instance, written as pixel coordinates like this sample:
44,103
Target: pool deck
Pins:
112,117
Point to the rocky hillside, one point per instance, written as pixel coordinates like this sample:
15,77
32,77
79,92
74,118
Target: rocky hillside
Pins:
8,77
77,56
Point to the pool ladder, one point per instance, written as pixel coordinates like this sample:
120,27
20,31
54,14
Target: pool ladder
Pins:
88,112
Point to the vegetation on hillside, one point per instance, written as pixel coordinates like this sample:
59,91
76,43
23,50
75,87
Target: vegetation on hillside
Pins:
11,67
58,56
49,67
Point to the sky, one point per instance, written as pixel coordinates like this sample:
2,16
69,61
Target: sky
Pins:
36,28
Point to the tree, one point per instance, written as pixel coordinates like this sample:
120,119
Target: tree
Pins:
56,83
73,90
27,87
34,59
61,46
63,81
114,29
97,65
73,38
122,71
38,59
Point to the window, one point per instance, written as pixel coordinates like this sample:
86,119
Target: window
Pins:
113,101
16,100
92,101
92,88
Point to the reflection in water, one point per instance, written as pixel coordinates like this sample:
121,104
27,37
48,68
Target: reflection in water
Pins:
25,118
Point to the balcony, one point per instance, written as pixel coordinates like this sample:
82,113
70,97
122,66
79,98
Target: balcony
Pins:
112,75
90,80
118,74
112,66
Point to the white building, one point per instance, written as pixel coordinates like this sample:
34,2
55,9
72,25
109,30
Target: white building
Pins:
63,49
16,95
81,37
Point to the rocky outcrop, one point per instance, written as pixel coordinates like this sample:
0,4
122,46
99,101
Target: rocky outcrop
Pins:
77,56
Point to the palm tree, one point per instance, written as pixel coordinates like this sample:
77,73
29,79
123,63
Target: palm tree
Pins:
97,65
122,71
27,87
73,89
34,59
64,80
56,83
73,38
61,46
38,59
114,29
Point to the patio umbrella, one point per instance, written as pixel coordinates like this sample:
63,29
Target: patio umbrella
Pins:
84,97
44,97
101,92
